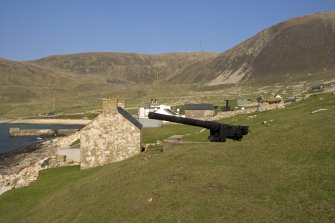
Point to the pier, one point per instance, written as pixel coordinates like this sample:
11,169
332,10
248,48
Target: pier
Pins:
16,132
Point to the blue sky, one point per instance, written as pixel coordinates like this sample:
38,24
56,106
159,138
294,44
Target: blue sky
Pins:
31,29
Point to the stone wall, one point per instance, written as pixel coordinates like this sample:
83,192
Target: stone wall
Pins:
70,153
198,113
150,123
265,106
109,138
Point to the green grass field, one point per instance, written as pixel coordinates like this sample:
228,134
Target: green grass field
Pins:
284,172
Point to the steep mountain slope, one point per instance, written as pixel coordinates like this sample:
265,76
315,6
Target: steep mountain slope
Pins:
298,47
126,67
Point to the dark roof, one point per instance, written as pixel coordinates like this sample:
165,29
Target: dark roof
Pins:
199,107
129,117
290,100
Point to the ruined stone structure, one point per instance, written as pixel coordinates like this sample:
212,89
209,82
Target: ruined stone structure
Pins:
113,136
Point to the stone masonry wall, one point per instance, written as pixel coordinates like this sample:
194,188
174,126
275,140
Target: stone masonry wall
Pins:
198,113
108,138
262,107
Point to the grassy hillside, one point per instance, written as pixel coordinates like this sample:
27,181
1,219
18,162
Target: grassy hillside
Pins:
126,67
77,82
278,173
29,88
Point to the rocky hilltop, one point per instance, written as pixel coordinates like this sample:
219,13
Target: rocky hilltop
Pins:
291,49
294,48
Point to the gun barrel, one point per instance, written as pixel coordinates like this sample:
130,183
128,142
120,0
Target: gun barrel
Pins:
219,132
186,121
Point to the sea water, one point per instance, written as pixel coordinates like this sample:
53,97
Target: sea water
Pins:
9,144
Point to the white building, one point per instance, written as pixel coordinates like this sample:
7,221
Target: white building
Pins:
143,111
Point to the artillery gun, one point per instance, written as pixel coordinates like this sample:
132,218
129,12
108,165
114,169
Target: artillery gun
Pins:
219,132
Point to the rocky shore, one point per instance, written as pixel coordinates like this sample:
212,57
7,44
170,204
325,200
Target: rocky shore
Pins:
21,167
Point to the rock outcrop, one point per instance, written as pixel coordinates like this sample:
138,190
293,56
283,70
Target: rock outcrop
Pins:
20,168
289,50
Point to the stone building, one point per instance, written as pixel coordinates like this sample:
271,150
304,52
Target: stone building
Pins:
111,137
198,110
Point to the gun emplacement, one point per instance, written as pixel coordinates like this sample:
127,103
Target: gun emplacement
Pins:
219,132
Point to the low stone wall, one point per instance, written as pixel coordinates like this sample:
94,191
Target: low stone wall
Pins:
261,107
170,142
150,123
70,153
228,114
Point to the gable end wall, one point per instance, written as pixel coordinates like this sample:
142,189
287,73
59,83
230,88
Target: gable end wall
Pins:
108,138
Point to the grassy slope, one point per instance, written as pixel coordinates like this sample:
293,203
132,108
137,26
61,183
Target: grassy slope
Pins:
29,88
279,173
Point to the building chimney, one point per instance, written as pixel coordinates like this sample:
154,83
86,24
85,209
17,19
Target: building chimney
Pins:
109,105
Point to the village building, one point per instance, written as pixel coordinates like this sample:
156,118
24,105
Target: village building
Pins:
143,111
153,106
319,87
235,104
290,100
230,105
113,136
199,110
242,103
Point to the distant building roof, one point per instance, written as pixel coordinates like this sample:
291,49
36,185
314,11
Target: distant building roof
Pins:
290,100
199,107
165,111
272,100
319,86
129,117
